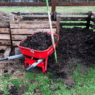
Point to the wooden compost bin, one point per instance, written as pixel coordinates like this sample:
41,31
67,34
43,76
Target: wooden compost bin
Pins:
13,32
88,17
75,19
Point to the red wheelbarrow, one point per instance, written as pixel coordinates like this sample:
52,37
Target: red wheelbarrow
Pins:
36,58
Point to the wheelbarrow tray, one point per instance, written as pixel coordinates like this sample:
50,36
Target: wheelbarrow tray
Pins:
36,53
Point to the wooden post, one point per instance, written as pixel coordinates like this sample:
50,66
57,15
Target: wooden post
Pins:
94,22
53,5
88,19
58,28
11,20
10,36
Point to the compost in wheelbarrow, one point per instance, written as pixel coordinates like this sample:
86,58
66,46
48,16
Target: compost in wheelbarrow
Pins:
31,54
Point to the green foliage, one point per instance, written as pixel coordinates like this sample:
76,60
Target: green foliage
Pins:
3,85
15,82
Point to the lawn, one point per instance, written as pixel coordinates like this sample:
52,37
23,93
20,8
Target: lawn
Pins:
44,9
44,84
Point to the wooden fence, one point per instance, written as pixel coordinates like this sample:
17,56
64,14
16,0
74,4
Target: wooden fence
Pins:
77,17
44,4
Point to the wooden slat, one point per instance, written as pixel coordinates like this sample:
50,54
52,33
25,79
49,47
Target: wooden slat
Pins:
32,22
93,20
92,26
34,17
18,37
76,4
44,4
30,13
33,26
58,29
15,43
73,24
72,13
4,36
4,25
29,31
73,18
4,30
93,14
23,4
4,47
5,42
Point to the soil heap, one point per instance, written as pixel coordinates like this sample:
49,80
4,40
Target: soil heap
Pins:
39,41
76,43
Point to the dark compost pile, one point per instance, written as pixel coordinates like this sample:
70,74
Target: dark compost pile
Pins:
75,43
39,41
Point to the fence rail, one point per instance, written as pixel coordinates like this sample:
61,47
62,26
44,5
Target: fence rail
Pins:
44,4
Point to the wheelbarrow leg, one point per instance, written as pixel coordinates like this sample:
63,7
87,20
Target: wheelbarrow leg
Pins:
43,68
25,64
46,63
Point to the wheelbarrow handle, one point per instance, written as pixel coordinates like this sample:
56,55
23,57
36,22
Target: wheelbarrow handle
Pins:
12,57
34,64
4,59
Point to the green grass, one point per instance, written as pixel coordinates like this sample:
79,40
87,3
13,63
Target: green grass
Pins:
84,84
44,9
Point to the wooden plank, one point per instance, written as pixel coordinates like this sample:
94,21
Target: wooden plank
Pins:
58,29
23,4
5,36
92,26
15,43
44,4
18,37
30,13
4,47
72,13
34,17
73,24
73,18
32,22
93,14
93,19
4,30
29,31
75,4
33,26
4,25
88,19
5,42
53,5
10,36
